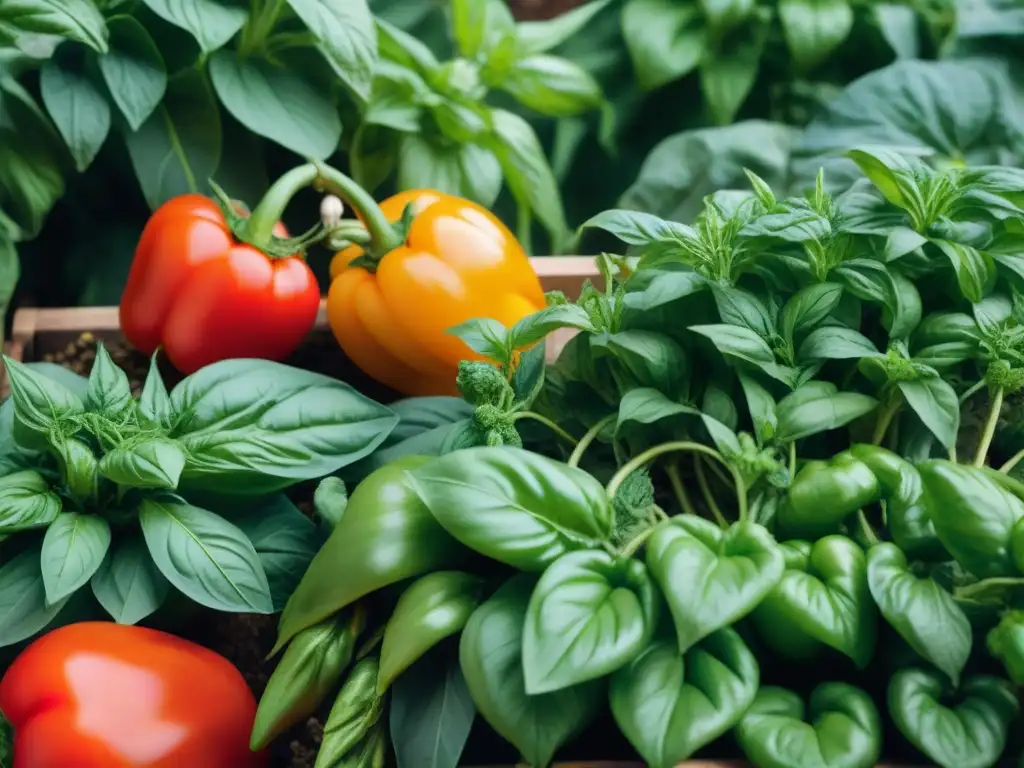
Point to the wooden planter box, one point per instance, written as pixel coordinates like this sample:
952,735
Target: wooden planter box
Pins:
40,333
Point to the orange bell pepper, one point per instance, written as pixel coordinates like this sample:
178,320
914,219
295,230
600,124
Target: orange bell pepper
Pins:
390,310
99,695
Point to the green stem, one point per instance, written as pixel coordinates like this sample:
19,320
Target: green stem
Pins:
547,423
1013,462
985,585
590,436
524,227
383,237
971,392
610,549
866,528
709,497
682,497
636,542
679,446
885,418
792,460
258,229
994,409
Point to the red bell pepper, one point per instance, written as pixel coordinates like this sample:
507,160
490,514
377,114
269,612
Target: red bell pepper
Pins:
100,695
208,284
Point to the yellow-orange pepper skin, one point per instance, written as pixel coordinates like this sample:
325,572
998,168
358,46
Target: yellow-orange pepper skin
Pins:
458,263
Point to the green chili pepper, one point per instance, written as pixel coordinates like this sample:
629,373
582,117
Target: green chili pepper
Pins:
824,493
906,516
823,599
387,534
435,607
352,719
1006,643
970,735
845,729
309,670
973,516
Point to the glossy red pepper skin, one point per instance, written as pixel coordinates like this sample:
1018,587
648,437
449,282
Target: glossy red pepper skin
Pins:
103,695
203,296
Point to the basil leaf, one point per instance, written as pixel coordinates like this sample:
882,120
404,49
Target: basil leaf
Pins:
40,404
156,463
552,86
737,341
417,415
133,70
23,607
285,540
485,336
535,327
834,342
975,271
814,29
26,502
491,656
636,228
211,22
808,307
515,506
651,359
155,403
762,407
820,413
110,393
589,615
432,713
257,426
540,36
648,406
204,556
77,20
935,402
665,39
128,584
73,549
742,308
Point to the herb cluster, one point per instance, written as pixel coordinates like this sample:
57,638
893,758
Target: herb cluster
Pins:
131,497
742,508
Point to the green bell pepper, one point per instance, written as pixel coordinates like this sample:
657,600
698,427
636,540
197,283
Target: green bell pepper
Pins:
973,516
386,535
905,513
822,599
824,493
1006,643
970,735
844,729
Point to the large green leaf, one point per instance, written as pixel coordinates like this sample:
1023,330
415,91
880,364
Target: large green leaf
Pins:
347,37
945,110
78,108
23,607
684,168
211,22
133,70
178,147
277,103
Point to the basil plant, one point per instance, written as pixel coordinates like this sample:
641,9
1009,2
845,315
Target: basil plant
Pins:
130,498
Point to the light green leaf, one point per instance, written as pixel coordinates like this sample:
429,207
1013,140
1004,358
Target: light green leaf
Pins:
78,109
77,20
727,75
277,103
133,70
73,549
128,584
348,38
178,147
204,556
541,36
665,39
154,463
26,502
468,170
814,28
211,22
553,86
936,404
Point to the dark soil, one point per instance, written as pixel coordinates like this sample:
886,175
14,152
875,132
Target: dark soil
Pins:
536,10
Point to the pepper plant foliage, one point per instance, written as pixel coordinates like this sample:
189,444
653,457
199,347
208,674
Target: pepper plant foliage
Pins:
741,509
131,497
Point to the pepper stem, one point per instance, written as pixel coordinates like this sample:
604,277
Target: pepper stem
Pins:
258,229
384,238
